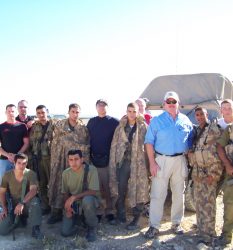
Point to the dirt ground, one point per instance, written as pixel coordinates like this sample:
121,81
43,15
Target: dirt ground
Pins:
114,237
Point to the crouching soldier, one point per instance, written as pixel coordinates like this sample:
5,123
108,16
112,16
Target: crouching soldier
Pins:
80,186
20,187
207,170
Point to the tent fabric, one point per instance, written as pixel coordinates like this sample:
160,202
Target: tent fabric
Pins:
192,89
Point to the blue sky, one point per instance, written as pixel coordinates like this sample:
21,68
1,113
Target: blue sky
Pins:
91,49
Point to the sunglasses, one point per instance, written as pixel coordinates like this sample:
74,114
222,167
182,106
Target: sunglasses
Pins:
171,101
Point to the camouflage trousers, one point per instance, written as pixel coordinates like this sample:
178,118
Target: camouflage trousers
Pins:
228,209
205,199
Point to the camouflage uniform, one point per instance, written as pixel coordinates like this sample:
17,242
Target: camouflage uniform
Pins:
128,161
226,141
65,139
41,153
205,162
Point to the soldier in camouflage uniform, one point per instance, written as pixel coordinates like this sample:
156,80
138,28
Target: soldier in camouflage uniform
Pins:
69,134
128,168
41,136
225,151
207,170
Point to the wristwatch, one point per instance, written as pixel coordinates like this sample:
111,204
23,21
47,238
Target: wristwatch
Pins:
22,203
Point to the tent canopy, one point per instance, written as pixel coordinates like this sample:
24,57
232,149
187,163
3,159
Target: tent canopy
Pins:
192,89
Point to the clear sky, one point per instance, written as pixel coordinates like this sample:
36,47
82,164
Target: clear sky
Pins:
56,52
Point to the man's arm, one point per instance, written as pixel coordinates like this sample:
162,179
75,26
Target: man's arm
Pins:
3,203
77,197
223,157
154,167
25,145
20,206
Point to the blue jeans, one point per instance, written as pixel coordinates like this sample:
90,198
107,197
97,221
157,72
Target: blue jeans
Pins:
5,166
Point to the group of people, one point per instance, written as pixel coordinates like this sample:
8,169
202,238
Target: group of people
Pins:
80,173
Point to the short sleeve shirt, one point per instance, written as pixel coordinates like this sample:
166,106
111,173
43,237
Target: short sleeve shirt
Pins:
72,182
14,187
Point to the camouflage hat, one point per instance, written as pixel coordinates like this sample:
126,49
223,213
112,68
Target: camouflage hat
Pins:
102,101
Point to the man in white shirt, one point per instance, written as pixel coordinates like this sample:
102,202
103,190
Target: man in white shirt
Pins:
226,110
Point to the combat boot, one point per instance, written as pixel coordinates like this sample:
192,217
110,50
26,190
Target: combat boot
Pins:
133,225
56,216
91,234
36,233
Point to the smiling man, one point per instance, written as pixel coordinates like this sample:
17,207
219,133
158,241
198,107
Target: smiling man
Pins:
166,142
207,170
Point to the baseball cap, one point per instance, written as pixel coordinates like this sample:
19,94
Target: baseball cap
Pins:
171,94
102,101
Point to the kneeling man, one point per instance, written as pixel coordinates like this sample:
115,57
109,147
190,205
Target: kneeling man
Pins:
20,186
80,186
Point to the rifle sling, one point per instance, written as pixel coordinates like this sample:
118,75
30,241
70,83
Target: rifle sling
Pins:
85,183
44,132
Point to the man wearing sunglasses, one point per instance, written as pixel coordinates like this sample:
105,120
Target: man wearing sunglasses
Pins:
166,142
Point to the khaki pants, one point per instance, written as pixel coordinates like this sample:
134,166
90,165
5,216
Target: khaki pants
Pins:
175,170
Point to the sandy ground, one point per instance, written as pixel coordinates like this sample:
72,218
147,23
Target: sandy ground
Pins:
113,237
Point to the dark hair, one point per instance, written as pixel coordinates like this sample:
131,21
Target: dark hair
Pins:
20,156
133,105
74,105
10,106
200,109
41,107
75,152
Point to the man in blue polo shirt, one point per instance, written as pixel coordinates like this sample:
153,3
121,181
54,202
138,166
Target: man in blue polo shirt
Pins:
166,142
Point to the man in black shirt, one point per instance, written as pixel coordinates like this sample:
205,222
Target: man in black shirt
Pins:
22,116
101,129
13,139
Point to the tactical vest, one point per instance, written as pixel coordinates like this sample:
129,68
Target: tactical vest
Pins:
204,149
43,148
229,146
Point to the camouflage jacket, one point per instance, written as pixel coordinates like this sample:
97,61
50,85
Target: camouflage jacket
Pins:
204,159
64,140
138,187
229,146
38,147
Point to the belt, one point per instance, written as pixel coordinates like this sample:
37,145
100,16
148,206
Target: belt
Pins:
177,154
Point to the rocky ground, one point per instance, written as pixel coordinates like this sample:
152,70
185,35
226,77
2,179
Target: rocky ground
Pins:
114,237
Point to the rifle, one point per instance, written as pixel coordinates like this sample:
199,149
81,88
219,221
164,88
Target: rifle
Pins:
15,218
36,157
35,165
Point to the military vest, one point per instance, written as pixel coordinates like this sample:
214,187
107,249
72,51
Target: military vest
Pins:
204,149
41,148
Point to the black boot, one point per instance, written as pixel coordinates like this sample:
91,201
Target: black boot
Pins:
36,233
91,234
133,225
56,216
